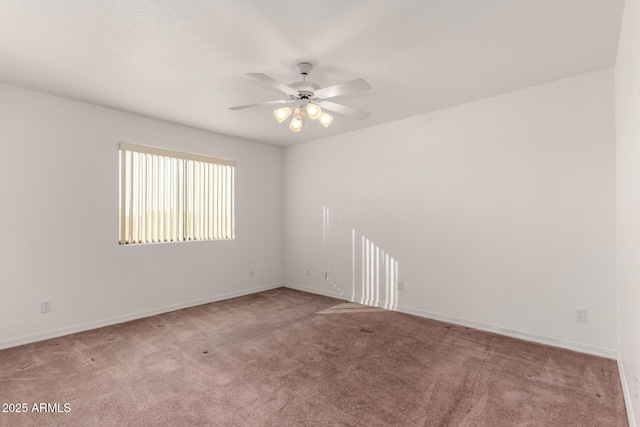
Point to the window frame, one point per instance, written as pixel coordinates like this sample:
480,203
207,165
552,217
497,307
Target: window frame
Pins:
195,192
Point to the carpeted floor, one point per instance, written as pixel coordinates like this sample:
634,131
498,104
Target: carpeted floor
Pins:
285,358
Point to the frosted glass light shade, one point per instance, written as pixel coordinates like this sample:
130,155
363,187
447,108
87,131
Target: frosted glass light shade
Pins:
296,123
281,114
313,111
325,119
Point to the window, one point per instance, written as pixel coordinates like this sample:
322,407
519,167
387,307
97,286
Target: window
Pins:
170,196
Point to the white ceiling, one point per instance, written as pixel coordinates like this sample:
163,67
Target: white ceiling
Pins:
186,61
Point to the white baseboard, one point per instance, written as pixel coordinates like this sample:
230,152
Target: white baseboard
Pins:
627,394
41,336
324,292
540,339
580,347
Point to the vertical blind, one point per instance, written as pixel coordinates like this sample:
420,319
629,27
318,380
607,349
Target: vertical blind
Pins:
170,196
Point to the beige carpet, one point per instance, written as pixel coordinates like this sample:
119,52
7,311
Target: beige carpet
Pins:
288,358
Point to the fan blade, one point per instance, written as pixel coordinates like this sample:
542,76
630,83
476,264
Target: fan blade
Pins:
357,85
262,104
274,83
344,110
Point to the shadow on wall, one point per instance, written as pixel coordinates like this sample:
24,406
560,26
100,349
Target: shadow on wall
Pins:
374,271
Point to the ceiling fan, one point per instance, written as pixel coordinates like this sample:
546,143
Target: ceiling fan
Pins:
308,100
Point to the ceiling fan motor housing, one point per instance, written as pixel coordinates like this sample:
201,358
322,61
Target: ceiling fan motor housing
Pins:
304,90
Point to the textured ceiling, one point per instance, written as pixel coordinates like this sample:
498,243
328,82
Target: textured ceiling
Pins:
186,61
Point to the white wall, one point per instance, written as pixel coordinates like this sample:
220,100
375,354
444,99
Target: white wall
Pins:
627,84
59,211
499,213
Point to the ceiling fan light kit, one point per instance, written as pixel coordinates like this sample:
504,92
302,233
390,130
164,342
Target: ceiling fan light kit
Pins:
311,100
325,119
313,111
296,124
300,115
281,114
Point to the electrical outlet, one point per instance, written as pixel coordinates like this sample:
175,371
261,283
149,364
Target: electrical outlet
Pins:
250,273
581,314
400,286
308,272
45,306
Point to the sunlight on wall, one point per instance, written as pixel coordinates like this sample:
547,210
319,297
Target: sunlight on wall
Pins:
379,274
374,272
327,251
